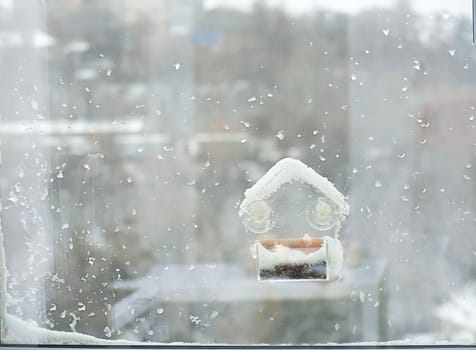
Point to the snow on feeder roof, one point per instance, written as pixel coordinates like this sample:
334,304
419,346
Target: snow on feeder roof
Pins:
288,170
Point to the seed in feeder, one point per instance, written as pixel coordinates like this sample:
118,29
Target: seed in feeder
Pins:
316,270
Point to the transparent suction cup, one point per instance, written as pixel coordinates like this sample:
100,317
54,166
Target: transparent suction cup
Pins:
322,215
258,217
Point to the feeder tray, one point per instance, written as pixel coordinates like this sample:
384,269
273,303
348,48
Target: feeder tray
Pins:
292,259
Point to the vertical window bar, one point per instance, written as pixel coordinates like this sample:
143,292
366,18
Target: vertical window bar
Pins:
474,16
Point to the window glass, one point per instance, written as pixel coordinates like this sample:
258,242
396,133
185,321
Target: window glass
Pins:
129,131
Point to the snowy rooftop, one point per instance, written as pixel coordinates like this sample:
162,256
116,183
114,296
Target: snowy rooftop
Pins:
62,127
230,283
460,309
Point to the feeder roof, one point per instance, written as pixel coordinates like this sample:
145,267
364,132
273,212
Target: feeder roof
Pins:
289,170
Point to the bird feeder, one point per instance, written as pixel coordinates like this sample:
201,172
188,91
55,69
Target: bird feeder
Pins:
293,215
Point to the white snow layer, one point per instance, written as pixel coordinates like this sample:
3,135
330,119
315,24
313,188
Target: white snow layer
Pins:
460,309
288,170
331,251
19,331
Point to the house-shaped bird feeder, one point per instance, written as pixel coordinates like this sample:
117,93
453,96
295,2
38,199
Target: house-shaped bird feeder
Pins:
294,215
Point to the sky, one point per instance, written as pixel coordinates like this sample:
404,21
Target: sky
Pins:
451,7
